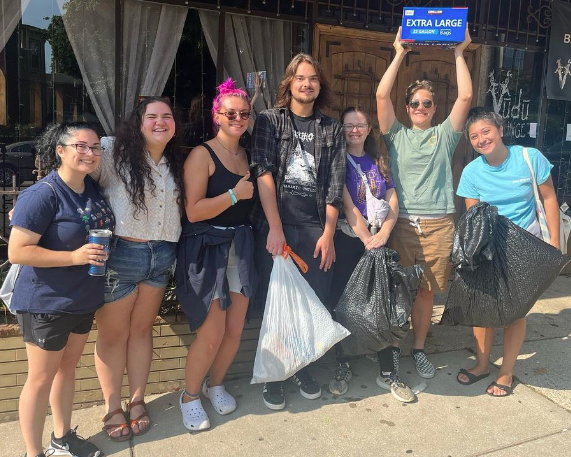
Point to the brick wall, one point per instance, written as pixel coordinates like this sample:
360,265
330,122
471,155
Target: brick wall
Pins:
171,339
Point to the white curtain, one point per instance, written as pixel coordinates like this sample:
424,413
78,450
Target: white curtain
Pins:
10,14
251,44
151,34
90,28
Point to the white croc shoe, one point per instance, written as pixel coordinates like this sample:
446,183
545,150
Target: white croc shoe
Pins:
194,417
222,401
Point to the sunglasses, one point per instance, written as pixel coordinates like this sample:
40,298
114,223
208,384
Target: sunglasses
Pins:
233,115
416,103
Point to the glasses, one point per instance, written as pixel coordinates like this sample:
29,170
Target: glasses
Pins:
233,115
360,127
83,148
416,103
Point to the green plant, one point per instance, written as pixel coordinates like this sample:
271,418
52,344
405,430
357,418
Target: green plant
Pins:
170,303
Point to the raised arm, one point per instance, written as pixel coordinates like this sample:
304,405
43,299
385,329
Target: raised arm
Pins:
385,108
258,83
462,104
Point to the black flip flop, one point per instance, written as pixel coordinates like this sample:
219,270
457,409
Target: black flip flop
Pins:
507,389
472,378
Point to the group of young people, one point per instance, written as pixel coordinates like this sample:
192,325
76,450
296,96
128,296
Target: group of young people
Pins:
224,215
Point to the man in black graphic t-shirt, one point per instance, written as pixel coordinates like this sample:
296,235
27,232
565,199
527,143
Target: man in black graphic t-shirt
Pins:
299,201
299,159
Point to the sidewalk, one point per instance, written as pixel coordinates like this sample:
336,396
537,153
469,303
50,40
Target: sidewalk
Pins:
447,420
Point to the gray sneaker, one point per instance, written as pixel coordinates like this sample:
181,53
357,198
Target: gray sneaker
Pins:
423,366
341,376
397,387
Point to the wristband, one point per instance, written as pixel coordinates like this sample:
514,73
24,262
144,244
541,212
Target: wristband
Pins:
232,197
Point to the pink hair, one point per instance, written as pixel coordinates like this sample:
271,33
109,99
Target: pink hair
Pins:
227,89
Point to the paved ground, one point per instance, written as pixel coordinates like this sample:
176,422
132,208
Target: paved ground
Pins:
447,420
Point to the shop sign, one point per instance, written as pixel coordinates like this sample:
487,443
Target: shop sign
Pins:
513,107
558,83
433,26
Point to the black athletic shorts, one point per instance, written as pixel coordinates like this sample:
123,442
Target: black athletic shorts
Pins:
51,331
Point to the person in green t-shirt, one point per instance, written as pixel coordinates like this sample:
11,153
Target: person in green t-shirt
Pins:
421,166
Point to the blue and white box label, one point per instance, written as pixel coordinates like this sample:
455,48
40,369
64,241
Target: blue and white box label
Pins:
434,26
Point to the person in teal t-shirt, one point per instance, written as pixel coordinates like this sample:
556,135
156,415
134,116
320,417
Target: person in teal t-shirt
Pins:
502,178
507,185
421,166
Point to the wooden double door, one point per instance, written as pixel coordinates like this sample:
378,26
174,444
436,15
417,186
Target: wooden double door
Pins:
354,62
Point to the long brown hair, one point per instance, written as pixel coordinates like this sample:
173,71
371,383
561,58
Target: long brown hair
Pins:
283,97
372,148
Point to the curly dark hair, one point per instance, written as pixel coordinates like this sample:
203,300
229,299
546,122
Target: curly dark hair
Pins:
56,135
283,96
372,148
129,156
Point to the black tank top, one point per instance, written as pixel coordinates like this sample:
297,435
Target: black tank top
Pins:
219,183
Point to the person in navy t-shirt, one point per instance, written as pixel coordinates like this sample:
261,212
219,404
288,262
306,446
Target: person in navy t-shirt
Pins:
54,296
502,178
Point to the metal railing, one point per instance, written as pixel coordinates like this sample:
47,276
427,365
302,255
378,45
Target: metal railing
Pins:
516,23
13,192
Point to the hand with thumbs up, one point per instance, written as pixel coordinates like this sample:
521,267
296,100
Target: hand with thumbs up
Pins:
244,190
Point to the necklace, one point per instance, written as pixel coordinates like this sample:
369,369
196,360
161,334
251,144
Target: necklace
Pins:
231,152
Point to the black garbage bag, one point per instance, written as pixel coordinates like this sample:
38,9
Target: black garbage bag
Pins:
377,301
500,270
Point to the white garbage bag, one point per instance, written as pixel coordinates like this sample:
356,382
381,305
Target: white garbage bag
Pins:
296,330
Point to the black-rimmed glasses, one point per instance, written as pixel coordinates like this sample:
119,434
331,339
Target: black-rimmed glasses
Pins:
83,148
416,103
233,115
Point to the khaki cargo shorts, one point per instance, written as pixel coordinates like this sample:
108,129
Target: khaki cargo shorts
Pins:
428,243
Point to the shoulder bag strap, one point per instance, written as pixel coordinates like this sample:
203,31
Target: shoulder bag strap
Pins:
357,167
538,205
50,184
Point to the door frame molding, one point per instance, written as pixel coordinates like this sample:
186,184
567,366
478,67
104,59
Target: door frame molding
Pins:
383,38
336,30
324,29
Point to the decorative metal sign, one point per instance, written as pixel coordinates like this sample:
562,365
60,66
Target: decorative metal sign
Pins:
559,58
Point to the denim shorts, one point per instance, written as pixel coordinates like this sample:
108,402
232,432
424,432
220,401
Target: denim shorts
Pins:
132,262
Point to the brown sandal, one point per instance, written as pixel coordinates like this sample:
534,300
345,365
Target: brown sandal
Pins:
117,427
137,420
